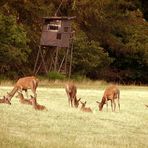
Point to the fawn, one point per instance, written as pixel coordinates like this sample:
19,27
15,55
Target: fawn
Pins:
23,100
37,106
5,100
85,109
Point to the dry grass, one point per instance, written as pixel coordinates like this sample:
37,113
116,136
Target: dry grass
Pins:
63,127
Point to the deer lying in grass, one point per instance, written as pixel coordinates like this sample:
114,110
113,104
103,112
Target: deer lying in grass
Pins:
111,93
85,109
37,106
24,83
23,100
5,100
71,91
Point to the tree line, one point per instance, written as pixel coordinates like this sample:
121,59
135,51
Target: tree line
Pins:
111,40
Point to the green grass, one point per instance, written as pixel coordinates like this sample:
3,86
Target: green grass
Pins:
63,127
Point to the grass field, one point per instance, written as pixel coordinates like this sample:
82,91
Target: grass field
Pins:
63,127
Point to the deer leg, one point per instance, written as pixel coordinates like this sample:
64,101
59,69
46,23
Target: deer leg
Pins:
26,92
34,92
106,105
119,104
35,95
69,100
112,105
73,102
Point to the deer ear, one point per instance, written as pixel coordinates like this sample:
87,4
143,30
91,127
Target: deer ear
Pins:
98,102
31,96
79,99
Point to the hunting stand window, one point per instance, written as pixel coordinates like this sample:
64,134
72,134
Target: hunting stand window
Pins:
59,36
52,27
66,29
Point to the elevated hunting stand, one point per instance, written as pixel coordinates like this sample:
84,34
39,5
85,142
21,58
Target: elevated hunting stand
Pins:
56,46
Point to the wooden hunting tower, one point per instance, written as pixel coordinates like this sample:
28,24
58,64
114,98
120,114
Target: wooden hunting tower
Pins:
56,31
56,45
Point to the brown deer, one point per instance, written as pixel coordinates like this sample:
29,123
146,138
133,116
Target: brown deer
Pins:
71,91
24,83
23,100
85,109
5,100
111,93
37,106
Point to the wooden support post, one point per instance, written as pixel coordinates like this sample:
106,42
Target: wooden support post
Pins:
44,64
61,64
71,55
66,58
56,59
35,66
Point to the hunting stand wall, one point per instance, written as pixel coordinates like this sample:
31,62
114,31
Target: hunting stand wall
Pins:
56,46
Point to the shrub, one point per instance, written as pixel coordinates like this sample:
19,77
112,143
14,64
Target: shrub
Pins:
53,75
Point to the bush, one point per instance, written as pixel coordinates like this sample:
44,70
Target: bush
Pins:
79,78
53,75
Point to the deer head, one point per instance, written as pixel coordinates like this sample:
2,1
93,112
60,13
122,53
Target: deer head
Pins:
33,100
6,100
77,102
83,104
99,105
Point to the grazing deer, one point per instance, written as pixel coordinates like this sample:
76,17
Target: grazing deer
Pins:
24,83
23,100
85,109
5,100
71,91
111,93
37,106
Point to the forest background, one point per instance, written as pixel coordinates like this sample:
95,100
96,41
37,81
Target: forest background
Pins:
111,37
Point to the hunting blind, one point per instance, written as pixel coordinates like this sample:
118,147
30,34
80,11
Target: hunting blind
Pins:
56,45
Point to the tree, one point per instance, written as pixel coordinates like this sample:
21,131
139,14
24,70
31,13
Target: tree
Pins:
13,45
89,57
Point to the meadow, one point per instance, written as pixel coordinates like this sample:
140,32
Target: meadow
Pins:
63,127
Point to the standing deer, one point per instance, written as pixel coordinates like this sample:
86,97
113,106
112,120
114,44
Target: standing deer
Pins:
111,93
71,91
5,100
24,83
37,106
85,109
23,100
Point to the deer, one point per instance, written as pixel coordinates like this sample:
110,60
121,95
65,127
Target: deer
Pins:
37,106
85,109
111,93
5,100
25,83
23,100
71,91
